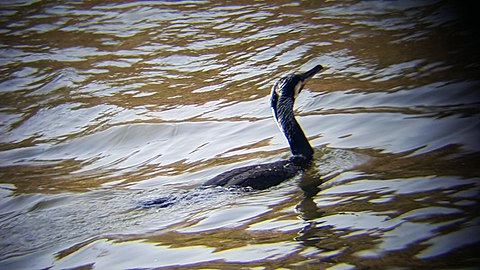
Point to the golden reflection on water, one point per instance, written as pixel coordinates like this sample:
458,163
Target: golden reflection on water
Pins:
106,105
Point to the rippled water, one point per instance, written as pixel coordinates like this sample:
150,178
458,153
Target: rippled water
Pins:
106,105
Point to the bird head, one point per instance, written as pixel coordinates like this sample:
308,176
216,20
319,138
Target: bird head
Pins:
292,84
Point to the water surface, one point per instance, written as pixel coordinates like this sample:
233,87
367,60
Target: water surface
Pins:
107,105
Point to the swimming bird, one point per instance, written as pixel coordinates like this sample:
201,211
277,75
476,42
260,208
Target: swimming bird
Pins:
262,176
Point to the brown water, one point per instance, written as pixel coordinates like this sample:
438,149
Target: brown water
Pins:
106,105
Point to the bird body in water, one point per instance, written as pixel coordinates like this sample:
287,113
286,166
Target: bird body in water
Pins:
263,176
266,175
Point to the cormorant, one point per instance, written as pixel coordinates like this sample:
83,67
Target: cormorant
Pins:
266,175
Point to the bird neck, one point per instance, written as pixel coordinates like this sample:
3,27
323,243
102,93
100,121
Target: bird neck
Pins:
297,140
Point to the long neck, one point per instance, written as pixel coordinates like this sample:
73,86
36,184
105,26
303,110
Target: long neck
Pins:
299,144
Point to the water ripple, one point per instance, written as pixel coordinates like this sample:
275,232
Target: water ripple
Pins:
103,105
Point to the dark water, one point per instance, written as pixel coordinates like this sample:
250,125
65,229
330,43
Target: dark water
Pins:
106,105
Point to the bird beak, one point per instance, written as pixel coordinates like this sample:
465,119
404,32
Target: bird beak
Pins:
309,74
305,77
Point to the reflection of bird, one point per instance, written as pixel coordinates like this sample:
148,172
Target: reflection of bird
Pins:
266,175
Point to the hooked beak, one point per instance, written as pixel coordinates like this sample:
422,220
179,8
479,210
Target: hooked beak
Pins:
305,77
309,74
